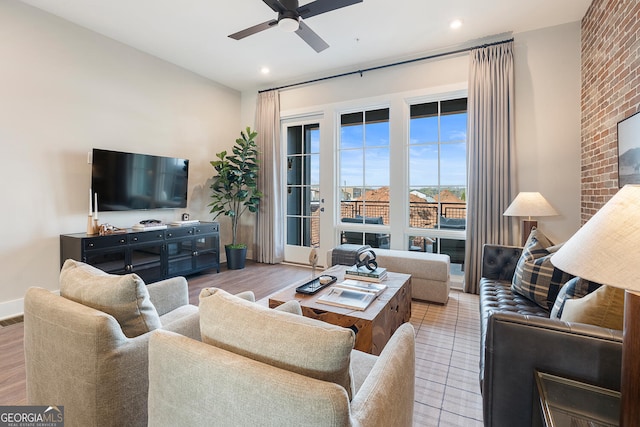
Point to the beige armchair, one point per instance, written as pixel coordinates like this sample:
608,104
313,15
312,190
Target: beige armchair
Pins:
258,366
87,350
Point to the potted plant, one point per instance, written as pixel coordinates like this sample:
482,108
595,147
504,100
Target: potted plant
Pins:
235,190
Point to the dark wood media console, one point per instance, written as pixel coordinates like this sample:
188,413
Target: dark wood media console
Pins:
153,255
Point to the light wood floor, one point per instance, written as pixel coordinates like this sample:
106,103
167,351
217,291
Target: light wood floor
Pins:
447,346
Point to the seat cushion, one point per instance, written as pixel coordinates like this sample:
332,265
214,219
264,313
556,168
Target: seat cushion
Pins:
299,344
497,296
535,277
126,298
362,363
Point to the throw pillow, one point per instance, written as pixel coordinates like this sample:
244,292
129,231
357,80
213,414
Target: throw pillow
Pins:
574,288
603,307
299,344
535,277
246,295
126,298
289,306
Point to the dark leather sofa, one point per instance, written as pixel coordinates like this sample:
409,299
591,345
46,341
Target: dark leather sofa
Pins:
518,338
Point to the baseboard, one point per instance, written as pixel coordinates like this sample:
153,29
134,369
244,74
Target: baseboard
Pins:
10,309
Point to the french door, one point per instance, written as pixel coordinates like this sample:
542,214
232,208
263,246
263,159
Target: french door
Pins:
304,196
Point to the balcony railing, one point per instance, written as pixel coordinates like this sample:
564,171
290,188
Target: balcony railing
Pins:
421,214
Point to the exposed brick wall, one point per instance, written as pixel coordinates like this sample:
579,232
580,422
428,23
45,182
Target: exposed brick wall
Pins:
610,93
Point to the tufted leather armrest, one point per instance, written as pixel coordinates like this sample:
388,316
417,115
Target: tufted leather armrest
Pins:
516,346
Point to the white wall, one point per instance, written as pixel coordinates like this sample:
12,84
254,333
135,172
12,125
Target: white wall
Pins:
547,111
65,90
547,66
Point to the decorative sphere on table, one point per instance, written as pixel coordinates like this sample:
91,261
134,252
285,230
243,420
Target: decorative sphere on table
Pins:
325,279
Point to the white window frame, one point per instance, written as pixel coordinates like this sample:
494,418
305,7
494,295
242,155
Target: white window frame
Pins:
339,226
399,115
427,232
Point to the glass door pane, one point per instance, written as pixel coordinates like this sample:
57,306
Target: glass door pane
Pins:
303,201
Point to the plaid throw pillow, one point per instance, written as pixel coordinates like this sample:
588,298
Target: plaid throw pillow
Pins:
574,288
535,277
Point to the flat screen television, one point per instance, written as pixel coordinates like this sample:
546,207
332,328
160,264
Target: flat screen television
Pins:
130,181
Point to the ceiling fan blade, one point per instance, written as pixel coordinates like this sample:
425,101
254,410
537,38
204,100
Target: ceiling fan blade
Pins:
275,5
312,39
321,6
255,29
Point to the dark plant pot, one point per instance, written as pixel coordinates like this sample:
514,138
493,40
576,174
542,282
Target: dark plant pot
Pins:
235,257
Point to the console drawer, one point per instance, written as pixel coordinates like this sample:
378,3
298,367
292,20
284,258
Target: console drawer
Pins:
174,232
104,242
146,236
206,228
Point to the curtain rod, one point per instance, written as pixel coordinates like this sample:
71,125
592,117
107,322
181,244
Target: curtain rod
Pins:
380,67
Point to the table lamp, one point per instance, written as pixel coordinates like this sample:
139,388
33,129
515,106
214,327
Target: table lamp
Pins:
529,204
605,250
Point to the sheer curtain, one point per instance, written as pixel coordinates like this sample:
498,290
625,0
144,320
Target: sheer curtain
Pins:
491,151
270,234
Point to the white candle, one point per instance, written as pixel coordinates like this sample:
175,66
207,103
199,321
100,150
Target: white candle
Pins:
90,210
95,205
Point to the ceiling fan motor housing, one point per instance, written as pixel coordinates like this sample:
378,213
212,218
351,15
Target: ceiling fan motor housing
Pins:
291,5
288,14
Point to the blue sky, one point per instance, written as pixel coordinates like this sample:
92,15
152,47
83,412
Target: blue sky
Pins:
423,153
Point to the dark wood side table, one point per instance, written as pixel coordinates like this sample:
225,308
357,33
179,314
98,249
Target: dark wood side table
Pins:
569,403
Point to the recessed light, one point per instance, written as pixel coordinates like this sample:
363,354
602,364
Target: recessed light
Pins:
264,70
455,24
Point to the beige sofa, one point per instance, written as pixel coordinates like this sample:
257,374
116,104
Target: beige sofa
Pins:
430,273
258,366
89,361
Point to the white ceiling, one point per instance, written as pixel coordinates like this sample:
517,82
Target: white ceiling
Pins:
193,33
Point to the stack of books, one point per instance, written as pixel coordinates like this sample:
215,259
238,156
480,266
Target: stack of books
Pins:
358,285
363,273
185,222
352,294
149,226
346,298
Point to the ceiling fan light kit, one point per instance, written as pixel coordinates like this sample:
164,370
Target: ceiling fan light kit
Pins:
289,14
288,24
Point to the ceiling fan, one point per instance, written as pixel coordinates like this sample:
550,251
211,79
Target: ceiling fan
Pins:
289,14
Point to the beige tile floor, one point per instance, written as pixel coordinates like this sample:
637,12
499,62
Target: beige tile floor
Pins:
447,354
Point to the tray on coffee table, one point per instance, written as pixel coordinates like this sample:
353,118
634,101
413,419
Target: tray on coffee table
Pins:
314,285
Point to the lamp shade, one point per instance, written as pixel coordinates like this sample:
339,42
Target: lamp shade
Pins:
605,249
530,204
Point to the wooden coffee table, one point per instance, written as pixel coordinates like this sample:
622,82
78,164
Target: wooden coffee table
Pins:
373,326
